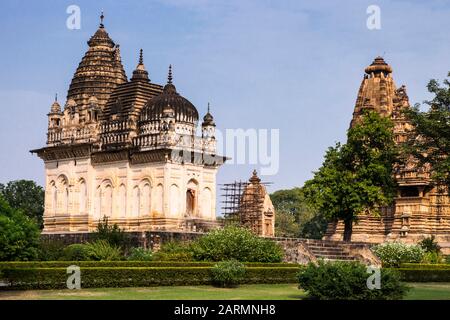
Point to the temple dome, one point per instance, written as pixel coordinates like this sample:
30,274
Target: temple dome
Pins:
208,119
184,110
55,108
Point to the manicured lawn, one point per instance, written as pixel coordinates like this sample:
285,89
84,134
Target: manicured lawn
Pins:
275,291
429,291
256,292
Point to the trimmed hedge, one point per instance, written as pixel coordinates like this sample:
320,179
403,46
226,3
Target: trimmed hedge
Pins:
227,274
65,264
441,266
257,275
424,275
98,277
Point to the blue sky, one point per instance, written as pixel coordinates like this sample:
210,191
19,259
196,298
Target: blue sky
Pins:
293,65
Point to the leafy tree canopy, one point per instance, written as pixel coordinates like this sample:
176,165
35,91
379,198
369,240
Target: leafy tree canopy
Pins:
19,235
356,177
27,196
295,217
429,140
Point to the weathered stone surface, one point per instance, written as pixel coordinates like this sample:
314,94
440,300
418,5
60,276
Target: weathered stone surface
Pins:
256,210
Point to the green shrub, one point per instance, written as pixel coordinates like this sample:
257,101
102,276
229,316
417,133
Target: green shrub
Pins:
19,234
430,245
235,243
98,277
174,251
102,250
76,252
112,234
447,259
227,274
50,250
393,254
348,281
140,254
433,257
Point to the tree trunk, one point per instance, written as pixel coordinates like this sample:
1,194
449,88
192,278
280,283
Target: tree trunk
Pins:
348,229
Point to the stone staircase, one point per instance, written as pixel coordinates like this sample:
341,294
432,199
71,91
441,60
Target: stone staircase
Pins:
303,251
329,250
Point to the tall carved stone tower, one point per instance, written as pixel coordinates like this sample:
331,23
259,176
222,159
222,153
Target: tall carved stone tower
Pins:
421,209
256,209
127,150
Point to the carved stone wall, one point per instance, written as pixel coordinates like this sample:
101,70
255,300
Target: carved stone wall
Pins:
148,196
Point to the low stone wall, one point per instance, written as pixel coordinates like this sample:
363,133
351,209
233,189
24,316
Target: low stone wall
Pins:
295,250
147,239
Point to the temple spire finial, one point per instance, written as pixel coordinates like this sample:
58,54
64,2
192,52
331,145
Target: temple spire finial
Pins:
102,16
141,56
208,107
255,179
140,73
56,97
169,77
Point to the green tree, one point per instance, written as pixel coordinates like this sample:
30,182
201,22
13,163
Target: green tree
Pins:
27,196
285,225
295,217
429,141
315,228
19,235
358,176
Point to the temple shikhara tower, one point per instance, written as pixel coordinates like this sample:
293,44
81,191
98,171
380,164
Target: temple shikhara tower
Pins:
127,149
248,203
256,209
421,208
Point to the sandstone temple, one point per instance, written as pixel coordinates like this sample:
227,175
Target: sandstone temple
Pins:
256,210
127,149
421,208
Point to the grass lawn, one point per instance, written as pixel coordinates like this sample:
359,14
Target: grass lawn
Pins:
253,292
429,291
